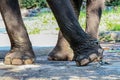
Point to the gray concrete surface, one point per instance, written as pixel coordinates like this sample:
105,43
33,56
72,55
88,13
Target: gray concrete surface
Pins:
59,70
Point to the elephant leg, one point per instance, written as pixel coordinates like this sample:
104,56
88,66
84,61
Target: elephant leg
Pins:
21,49
62,50
94,12
86,48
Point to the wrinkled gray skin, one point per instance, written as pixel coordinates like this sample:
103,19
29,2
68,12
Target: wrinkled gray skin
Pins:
21,49
84,46
62,50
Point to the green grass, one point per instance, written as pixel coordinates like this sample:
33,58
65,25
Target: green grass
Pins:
41,22
82,19
110,21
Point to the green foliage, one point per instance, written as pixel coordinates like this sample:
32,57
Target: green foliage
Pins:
105,37
111,20
57,28
41,3
35,31
113,26
112,2
41,22
32,3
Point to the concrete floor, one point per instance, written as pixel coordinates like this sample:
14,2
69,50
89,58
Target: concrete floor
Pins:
59,70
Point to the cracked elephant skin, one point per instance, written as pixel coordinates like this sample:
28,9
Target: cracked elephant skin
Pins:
62,51
21,49
85,46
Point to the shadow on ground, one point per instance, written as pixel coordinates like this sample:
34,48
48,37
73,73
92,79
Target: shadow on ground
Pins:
60,70
39,51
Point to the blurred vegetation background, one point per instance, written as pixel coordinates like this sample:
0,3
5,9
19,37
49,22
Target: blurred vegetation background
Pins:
109,19
42,3
33,3
112,2
44,20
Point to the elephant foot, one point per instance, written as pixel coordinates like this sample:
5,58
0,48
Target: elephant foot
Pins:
87,53
17,57
64,53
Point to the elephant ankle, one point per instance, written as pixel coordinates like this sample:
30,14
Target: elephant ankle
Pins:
85,45
87,52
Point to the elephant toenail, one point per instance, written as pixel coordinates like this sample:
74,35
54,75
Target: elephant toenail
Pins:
17,62
93,56
84,62
8,61
29,61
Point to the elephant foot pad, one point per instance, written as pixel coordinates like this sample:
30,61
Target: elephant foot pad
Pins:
18,61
